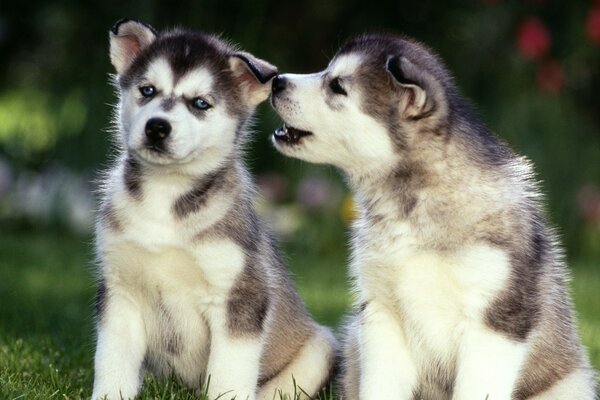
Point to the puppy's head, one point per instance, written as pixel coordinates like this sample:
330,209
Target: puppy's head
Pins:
374,103
184,96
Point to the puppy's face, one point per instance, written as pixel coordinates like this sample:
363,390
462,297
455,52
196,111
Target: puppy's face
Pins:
170,119
362,112
184,96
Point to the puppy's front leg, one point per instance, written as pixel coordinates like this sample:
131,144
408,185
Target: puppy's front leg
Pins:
388,372
120,349
488,365
234,361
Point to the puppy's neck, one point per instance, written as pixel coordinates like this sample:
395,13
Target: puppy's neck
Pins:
392,192
190,182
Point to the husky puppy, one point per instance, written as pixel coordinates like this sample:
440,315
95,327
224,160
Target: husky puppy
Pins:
461,285
191,281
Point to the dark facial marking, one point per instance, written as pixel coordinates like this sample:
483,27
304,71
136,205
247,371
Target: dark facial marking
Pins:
168,103
133,178
193,200
248,302
380,100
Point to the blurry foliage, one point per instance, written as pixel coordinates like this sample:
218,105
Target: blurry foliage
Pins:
30,124
531,67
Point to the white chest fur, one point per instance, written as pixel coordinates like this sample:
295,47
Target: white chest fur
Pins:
172,278
436,296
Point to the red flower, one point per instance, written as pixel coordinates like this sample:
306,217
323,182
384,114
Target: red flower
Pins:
533,39
550,76
592,25
589,203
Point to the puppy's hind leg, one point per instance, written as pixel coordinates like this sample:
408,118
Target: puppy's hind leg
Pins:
309,370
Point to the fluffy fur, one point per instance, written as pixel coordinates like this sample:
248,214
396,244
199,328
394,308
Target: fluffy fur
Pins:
191,281
462,291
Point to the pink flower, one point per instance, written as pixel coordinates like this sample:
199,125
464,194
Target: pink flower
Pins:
533,39
592,25
273,186
588,200
314,192
550,76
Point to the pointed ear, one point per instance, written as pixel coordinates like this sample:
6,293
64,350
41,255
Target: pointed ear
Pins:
253,75
415,101
127,39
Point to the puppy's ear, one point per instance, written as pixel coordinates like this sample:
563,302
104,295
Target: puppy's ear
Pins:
127,39
416,99
253,75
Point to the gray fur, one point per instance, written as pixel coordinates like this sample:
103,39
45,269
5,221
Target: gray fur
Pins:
168,103
108,217
531,300
100,300
172,342
455,184
208,202
197,196
248,302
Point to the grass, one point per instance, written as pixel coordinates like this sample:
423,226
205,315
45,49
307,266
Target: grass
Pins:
46,329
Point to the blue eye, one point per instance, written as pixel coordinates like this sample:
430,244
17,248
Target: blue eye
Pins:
148,91
200,104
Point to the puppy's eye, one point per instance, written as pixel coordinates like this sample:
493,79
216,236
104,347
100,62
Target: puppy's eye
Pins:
148,91
336,86
200,104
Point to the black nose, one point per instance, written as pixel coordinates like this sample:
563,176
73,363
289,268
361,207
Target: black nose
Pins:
279,84
157,129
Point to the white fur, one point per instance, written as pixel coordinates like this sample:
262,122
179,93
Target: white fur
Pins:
168,277
345,65
190,138
388,368
332,141
488,365
121,341
157,255
230,361
425,304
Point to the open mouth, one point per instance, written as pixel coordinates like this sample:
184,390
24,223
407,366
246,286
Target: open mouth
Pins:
289,135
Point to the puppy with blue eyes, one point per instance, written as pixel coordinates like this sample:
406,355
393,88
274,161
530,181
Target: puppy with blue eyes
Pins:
190,279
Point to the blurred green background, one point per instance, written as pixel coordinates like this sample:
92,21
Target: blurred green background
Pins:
531,67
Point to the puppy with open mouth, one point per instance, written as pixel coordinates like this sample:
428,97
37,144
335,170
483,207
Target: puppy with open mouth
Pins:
191,281
462,290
